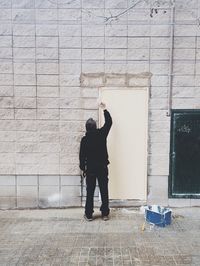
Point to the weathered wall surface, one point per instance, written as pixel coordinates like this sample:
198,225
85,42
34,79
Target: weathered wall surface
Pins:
45,46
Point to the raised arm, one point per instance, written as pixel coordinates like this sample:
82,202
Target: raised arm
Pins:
108,120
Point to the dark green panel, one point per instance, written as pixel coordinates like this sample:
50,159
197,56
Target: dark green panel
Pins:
185,154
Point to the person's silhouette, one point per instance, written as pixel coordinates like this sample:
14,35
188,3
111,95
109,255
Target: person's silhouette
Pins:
94,162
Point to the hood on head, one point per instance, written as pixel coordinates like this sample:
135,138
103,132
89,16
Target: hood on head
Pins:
91,125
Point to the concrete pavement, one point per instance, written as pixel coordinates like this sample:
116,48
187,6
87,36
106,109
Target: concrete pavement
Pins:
63,237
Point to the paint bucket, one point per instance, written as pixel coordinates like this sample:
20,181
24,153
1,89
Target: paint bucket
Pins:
158,215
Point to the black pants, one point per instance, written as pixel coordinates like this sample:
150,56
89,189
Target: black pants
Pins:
101,175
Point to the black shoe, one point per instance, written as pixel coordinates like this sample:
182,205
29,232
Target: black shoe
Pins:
105,217
88,218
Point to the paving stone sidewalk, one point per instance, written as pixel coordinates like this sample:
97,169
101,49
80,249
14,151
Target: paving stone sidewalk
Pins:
63,237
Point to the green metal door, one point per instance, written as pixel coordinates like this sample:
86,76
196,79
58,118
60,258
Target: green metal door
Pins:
184,180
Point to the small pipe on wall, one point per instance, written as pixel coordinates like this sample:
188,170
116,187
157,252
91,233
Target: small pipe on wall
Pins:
171,59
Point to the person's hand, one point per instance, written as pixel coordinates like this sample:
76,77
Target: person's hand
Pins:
83,173
102,105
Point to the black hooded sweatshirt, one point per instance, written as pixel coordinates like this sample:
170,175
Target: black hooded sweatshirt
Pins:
93,149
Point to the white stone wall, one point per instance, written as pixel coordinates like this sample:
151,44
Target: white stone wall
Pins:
45,46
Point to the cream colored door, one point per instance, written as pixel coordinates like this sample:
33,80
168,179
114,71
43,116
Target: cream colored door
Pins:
127,142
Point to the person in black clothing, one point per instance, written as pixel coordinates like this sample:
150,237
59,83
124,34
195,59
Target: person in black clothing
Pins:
94,162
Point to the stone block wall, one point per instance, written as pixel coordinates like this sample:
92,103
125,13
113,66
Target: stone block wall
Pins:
45,48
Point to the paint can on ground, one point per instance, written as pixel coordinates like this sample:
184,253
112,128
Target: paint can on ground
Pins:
157,215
